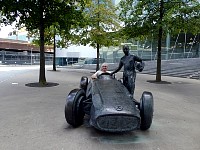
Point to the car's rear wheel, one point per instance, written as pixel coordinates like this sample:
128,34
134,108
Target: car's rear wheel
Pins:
146,110
74,111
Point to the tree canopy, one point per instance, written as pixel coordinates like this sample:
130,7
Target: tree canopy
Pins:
142,18
154,19
101,26
101,19
40,15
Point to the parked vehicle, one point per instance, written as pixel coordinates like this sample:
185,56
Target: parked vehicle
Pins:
109,105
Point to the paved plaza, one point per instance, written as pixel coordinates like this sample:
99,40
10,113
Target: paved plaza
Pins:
33,117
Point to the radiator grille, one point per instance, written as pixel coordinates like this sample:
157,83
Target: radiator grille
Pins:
117,123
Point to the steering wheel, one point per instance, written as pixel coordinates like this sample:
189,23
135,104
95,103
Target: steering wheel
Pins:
106,73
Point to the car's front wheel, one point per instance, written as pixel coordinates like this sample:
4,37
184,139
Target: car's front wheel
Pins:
146,110
74,111
84,83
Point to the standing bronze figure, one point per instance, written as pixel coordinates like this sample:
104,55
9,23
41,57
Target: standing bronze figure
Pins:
129,73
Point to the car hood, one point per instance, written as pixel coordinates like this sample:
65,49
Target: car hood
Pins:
111,96
111,101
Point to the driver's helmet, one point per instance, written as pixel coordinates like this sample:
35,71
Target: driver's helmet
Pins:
139,66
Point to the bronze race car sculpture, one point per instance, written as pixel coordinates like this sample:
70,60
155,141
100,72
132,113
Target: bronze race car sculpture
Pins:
109,105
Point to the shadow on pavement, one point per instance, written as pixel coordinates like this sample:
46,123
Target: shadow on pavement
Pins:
156,82
37,84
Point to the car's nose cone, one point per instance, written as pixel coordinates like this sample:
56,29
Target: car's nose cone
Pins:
118,123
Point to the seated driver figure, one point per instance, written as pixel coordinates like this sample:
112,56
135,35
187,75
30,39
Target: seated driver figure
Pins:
104,69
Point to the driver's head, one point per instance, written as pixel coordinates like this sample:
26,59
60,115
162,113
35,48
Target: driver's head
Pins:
104,67
126,49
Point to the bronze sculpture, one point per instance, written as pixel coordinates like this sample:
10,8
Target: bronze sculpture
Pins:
108,105
129,73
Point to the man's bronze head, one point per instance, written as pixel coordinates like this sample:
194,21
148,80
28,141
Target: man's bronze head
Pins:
126,49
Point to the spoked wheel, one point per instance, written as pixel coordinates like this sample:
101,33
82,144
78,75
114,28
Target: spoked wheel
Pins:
74,112
146,110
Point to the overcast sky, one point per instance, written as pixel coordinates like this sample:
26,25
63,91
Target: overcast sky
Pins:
5,30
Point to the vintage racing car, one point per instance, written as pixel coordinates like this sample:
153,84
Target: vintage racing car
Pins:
109,105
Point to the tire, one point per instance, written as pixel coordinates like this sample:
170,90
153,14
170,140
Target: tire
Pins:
84,83
146,110
74,111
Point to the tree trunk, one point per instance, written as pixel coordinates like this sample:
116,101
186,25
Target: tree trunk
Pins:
98,26
42,78
158,73
54,52
97,66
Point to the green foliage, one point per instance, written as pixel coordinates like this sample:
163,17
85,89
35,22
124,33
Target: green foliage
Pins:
142,18
101,25
40,16
153,19
27,13
48,35
62,24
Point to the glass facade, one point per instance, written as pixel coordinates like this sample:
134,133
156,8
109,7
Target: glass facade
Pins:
23,58
173,47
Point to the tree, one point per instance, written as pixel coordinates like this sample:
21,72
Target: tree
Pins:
101,26
49,39
153,19
39,15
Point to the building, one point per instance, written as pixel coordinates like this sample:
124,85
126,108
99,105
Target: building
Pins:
177,47
72,54
22,52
